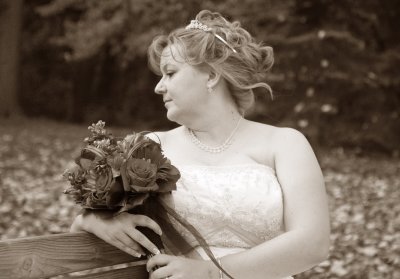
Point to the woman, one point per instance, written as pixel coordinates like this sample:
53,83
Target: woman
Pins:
254,191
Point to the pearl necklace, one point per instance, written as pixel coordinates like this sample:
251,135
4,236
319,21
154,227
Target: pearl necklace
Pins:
210,149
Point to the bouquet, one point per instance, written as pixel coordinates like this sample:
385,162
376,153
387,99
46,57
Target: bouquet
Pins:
127,175
119,174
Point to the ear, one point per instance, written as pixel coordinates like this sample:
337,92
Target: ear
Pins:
213,78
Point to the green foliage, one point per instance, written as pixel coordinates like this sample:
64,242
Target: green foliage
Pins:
335,76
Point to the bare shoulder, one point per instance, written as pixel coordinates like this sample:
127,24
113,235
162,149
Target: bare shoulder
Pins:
292,151
291,142
280,140
276,135
288,136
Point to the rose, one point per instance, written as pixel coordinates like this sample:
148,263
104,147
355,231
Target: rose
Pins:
167,174
139,175
97,187
102,190
139,180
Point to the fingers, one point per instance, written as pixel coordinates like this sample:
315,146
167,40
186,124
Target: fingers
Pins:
129,245
159,260
161,273
142,240
123,244
121,231
144,221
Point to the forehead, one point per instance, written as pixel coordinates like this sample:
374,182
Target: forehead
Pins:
172,54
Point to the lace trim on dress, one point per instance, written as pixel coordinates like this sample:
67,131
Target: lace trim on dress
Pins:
231,206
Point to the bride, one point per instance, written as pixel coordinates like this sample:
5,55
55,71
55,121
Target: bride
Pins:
255,192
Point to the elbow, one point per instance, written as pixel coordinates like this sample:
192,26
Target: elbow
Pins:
322,254
320,250
315,247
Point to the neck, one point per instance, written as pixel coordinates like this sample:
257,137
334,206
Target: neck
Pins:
215,128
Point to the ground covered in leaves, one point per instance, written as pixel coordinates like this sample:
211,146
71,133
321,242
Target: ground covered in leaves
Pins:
364,195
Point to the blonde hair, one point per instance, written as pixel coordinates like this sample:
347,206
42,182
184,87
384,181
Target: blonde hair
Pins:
244,70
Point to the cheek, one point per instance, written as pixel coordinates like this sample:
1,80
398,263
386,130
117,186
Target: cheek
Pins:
187,88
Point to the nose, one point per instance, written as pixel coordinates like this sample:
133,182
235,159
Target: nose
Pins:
160,87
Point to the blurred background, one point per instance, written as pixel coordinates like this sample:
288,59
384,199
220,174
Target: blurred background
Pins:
65,64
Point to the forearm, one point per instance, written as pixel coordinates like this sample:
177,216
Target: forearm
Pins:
81,221
288,254
77,224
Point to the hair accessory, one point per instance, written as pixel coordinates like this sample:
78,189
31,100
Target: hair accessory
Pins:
195,24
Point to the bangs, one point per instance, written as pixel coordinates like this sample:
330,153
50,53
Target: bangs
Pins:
190,43
155,51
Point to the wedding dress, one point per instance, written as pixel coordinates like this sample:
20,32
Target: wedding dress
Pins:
233,207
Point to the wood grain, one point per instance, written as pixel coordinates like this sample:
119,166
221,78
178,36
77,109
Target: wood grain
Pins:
46,256
133,272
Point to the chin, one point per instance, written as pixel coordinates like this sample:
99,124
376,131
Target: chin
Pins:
174,116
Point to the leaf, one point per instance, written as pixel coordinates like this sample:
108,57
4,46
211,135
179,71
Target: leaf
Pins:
115,195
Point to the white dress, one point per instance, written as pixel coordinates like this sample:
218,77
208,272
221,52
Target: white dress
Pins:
233,207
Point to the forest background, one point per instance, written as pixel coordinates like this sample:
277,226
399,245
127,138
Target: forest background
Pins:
67,63
335,75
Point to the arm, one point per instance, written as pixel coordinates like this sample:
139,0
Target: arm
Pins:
119,231
306,215
306,240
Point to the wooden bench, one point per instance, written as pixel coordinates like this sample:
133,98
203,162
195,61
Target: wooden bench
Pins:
59,255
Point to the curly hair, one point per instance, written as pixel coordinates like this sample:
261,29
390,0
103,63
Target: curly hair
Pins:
244,70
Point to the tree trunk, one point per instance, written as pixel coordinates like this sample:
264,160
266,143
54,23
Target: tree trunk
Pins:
10,29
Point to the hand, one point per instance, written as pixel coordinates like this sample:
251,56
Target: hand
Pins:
173,267
119,231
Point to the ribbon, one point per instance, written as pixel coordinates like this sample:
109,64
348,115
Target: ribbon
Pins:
159,211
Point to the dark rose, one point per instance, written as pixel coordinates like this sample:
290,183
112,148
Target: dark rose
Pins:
103,190
115,194
139,175
167,175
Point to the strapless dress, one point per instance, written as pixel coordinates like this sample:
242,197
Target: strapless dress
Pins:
234,207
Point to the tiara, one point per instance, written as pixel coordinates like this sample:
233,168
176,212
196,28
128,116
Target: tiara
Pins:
195,24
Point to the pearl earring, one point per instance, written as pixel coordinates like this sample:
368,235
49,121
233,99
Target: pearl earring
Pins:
210,89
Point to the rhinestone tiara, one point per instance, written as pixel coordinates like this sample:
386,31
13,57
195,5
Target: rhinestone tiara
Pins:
195,24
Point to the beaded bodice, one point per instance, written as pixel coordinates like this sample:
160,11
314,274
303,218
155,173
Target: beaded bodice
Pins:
236,206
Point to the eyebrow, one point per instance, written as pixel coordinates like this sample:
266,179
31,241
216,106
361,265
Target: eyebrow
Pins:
164,66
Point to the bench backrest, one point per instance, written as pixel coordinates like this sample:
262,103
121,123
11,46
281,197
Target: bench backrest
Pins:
61,254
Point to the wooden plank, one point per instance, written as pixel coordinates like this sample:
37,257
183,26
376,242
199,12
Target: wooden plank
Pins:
132,272
45,256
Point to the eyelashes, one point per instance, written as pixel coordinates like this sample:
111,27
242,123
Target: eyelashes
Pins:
170,74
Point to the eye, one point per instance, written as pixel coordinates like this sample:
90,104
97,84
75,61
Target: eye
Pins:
170,74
